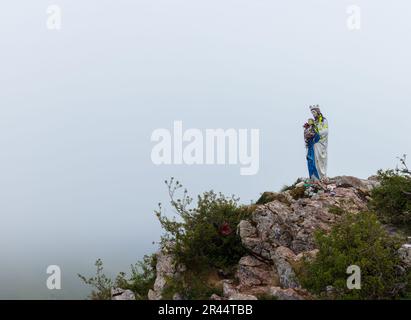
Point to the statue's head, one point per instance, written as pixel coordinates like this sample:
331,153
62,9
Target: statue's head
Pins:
315,110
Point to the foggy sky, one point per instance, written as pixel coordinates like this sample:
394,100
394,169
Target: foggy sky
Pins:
78,106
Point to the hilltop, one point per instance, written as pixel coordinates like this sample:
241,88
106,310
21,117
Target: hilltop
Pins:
278,236
294,244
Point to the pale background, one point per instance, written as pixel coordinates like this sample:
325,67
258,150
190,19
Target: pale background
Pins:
77,108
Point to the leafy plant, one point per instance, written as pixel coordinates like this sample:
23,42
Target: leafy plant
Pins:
141,280
204,236
100,282
392,199
358,239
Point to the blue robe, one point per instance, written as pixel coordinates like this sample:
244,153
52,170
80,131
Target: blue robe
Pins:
312,169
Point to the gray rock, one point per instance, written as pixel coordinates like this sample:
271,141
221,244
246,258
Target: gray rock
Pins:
365,185
166,268
152,295
283,258
254,272
285,294
348,182
229,289
121,294
330,289
241,296
177,296
246,229
405,254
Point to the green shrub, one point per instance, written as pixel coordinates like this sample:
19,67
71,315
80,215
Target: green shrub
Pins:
141,280
204,236
358,239
392,199
100,283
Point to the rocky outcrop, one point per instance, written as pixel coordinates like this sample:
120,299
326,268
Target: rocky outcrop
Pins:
166,269
405,254
279,234
242,296
277,224
353,182
287,294
254,272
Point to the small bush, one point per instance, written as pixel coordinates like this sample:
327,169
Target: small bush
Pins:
392,199
358,239
141,280
100,283
204,236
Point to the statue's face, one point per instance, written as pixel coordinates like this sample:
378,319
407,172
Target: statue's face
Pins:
315,113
